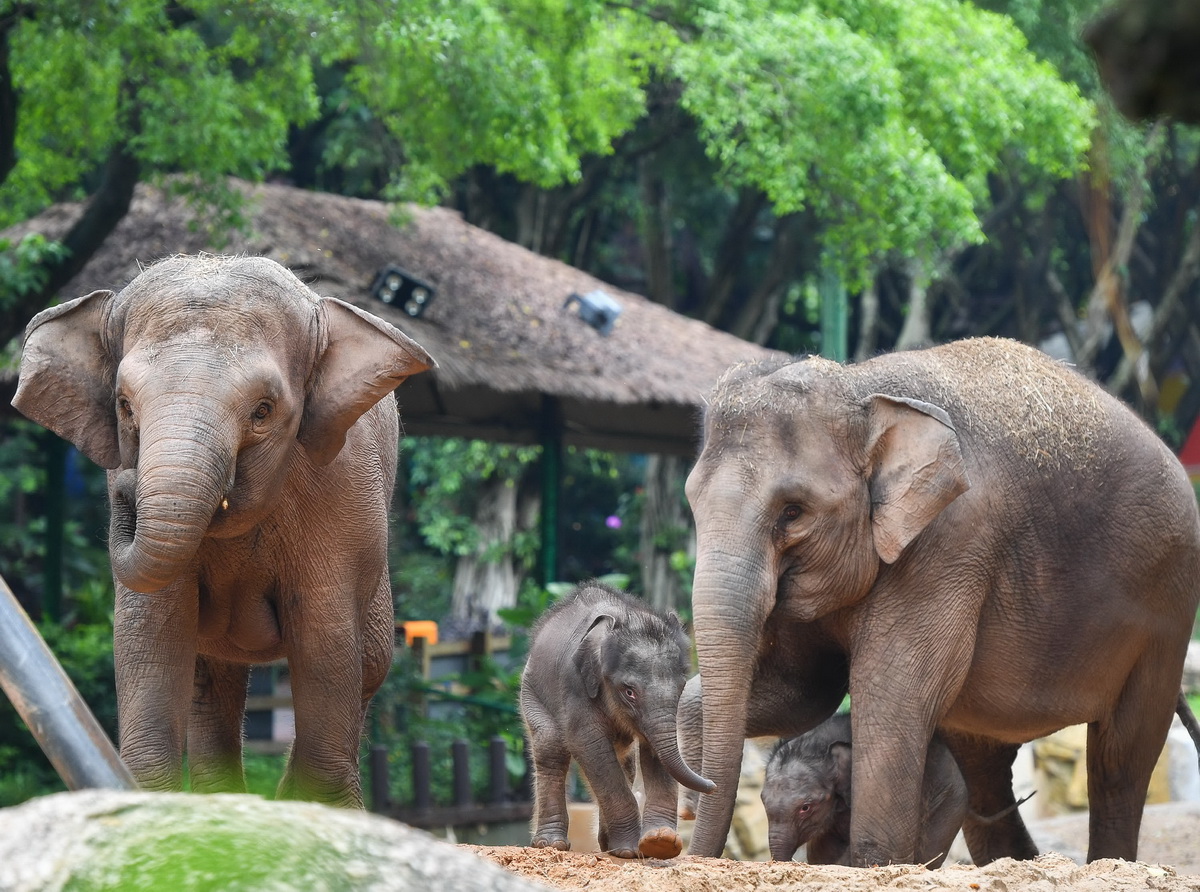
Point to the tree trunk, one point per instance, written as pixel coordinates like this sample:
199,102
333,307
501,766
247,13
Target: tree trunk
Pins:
868,322
917,329
656,233
486,580
666,528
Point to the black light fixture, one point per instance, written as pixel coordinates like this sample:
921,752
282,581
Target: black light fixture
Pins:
401,289
599,309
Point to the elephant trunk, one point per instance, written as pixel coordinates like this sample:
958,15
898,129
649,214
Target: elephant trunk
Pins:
162,508
783,839
660,732
731,600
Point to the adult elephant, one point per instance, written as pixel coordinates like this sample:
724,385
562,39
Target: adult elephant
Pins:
996,546
250,436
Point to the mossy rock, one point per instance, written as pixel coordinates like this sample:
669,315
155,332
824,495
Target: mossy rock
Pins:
102,841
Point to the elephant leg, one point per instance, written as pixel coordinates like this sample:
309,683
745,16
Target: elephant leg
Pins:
214,735
902,677
602,766
1122,749
326,675
780,705
551,761
827,848
154,654
659,839
378,641
993,827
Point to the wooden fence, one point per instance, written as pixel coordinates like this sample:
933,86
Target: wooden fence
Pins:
269,723
501,805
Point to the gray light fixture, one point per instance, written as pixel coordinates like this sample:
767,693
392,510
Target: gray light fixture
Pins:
401,289
598,309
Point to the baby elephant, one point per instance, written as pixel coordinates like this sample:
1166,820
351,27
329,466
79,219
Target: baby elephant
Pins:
807,797
605,672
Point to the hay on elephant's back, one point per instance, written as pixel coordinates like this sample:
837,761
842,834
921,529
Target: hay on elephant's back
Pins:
1046,412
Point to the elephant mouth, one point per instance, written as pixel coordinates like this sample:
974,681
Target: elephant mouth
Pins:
123,528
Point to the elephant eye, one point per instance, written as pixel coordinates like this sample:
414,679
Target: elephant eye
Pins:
805,808
630,694
263,411
790,513
124,407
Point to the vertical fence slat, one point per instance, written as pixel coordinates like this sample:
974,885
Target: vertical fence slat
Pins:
380,796
497,770
462,772
422,776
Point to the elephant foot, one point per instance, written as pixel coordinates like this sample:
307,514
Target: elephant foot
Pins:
662,842
551,842
687,810
623,852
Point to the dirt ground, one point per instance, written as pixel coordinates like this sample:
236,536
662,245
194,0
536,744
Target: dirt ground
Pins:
1169,853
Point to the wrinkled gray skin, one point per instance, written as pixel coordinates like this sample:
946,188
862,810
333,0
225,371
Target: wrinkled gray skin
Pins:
601,685
250,438
996,548
806,794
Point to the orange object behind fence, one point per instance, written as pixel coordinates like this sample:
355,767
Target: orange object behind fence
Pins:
420,628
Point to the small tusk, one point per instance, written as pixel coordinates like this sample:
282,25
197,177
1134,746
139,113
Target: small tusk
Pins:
224,504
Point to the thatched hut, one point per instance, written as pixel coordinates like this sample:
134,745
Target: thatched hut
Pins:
516,363
511,357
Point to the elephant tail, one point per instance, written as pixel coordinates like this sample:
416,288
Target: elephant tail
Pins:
1189,721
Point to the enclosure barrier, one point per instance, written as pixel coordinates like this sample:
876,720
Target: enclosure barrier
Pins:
50,705
501,805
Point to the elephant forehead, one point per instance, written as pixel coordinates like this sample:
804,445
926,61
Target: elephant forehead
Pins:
246,301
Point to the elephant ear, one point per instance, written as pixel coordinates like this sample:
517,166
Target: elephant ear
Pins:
67,376
364,360
588,656
841,756
916,469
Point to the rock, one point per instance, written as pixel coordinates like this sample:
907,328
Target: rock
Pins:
105,840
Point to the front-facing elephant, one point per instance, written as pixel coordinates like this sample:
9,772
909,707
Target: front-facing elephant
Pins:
251,439
995,547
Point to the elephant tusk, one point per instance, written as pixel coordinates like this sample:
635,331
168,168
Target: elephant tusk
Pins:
224,504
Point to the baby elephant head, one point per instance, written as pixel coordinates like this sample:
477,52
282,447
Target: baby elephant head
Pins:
635,670
806,792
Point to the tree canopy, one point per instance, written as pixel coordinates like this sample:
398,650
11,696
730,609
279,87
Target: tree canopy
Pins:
881,118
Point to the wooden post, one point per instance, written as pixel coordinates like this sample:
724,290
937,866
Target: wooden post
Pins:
421,776
498,770
462,772
380,785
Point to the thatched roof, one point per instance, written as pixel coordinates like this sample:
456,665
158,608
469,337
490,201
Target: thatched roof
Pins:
497,327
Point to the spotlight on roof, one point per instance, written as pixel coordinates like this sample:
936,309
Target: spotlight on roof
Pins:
597,308
401,289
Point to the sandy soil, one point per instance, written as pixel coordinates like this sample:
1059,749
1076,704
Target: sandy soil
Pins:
1170,849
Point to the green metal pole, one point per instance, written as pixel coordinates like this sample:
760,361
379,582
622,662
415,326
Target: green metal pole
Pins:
56,502
551,487
835,315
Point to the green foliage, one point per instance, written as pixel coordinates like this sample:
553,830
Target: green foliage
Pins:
444,477
22,266
886,125
200,86
525,87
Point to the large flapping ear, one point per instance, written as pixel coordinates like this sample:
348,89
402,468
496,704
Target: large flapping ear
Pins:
587,656
364,360
67,376
916,469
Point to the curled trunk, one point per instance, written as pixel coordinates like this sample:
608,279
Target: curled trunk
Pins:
162,508
662,737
